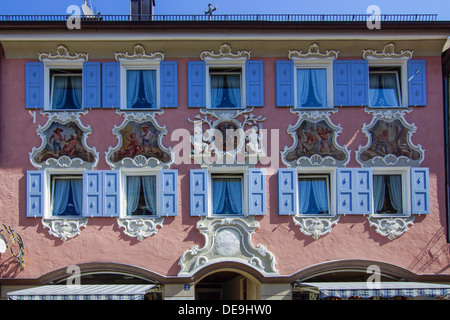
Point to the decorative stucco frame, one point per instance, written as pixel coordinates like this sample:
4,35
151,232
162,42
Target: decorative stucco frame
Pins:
250,146
136,226
227,239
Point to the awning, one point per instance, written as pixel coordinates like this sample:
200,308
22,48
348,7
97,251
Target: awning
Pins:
83,292
381,289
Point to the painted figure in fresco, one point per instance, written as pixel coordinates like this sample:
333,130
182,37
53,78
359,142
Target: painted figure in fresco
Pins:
148,137
325,135
133,148
381,142
56,138
70,146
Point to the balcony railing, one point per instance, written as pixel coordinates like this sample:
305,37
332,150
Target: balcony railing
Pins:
228,18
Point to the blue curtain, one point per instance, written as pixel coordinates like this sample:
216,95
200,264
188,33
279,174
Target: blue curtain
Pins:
227,196
312,88
141,89
393,183
77,91
379,187
313,195
383,90
225,91
67,193
60,85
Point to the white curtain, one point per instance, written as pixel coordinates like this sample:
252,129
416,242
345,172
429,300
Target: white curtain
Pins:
234,89
217,90
133,191
133,81
383,90
149,187
77,92
149,77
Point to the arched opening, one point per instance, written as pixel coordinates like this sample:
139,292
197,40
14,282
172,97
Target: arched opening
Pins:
228,285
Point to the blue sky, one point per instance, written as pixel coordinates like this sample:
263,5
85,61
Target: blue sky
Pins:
440,7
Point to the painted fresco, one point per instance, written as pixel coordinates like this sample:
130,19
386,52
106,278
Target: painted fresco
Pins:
230,136
315,138
389,137
64,140
140,139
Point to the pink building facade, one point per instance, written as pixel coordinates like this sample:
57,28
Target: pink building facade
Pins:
234,161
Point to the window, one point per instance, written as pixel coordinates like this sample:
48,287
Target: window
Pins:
141,89
66,89
311,88
388,194
384,88
225,87
67,195
313,194
227,194
141,195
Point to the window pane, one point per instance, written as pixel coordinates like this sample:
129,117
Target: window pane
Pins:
313,195
227,195
66,92
67,196
226,91
141,89
141,195
384,89
387,194
311,88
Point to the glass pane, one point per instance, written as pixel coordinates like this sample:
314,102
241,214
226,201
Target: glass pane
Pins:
313,195
226,91
141,89
384,90
141,195
227,195
311,88
387,194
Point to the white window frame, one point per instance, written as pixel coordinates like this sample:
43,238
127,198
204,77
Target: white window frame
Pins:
326,64
230,172
124,173
58,64
138,64
332,190
402,77
404,172
48,194
225,63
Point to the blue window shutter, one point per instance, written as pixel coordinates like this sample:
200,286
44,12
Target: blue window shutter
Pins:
417,83
254,83
363,186
91,85
287,188
168,84
420,191
35,193
169,192
257,192
34,85
359,82
196,84
284,74
198,192
111,85
345,191
341,82
92,193
111,193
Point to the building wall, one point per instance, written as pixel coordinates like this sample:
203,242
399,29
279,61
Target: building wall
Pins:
422,249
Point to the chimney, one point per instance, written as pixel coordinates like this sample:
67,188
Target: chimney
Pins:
142,10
